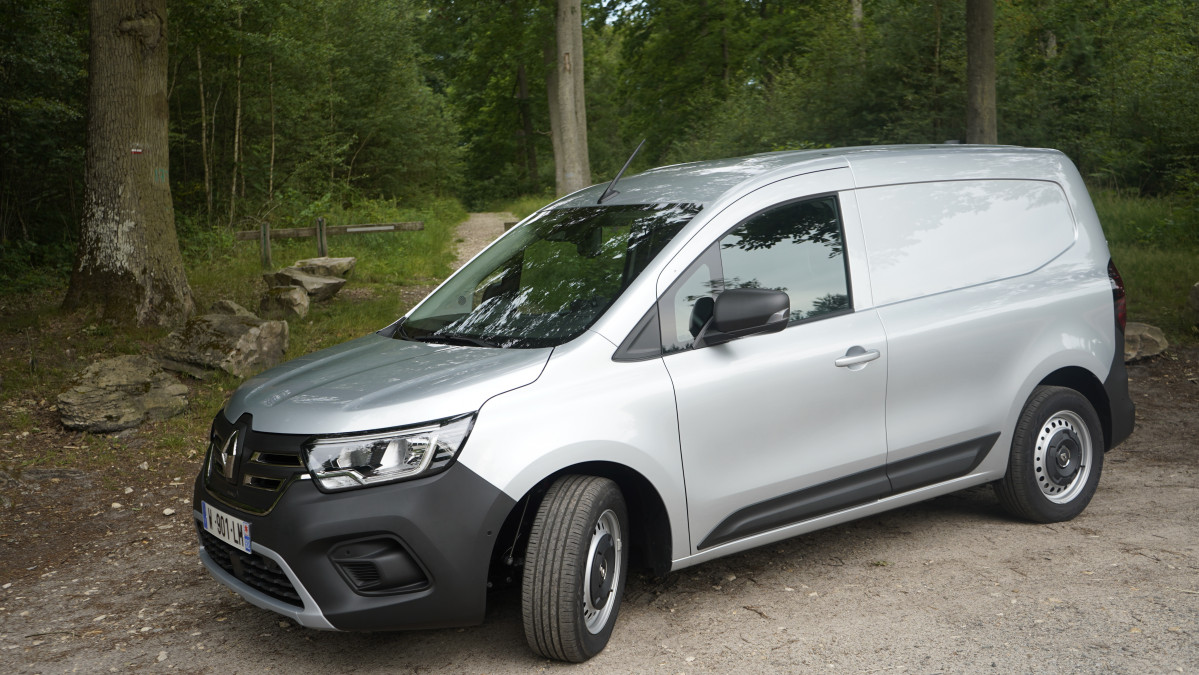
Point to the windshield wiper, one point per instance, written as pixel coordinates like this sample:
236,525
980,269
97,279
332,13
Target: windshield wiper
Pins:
455,339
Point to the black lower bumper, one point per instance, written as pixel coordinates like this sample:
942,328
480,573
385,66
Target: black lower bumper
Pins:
1120,405
434,535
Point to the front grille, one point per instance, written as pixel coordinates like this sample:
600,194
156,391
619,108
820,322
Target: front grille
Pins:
254,570
263,465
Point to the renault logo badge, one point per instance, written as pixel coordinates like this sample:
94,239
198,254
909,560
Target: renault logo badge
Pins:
226,456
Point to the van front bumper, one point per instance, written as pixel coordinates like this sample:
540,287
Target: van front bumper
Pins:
402,556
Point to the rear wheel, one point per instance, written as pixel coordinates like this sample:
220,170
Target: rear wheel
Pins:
575,568
1056,459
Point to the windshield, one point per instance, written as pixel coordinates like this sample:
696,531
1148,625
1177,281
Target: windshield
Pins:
548,281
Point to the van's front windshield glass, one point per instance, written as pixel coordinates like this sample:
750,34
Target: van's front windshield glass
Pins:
548,281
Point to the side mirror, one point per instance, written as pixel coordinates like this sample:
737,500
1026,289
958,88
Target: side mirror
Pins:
741,312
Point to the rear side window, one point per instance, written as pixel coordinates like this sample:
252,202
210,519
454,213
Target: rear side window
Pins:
928,238
796,247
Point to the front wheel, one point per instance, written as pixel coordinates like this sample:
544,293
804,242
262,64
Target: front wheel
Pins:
1057,455
575,568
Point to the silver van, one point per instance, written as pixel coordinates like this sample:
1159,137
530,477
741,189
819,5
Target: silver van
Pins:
694,361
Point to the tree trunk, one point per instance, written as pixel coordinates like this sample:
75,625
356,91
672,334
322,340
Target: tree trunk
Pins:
570,139
980,72
236,133
858,16
204,155
551,89
270,181
127,264
526,125
936,97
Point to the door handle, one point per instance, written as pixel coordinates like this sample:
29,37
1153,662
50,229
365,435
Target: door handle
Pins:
857,356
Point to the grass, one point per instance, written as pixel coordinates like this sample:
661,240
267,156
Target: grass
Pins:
388,265
1155,244
523,206
42,347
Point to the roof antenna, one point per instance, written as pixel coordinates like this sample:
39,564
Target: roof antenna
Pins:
611,190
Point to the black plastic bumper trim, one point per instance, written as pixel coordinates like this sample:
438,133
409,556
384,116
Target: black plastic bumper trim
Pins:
448,522
1123,411
860,488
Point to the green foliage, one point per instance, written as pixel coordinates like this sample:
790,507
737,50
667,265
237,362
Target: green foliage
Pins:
525,205
43,53
479,50
222,268
1158,281
26,265
1151,222
334,103
1155,244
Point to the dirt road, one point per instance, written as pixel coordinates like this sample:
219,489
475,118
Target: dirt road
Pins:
950,585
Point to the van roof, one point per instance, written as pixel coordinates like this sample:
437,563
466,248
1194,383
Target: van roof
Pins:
707,181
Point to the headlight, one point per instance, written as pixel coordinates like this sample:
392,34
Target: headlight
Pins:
343,462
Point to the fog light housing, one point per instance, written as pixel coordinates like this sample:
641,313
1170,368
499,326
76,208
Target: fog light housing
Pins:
378,566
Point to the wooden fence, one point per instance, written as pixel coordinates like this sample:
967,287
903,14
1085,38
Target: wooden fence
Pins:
264,234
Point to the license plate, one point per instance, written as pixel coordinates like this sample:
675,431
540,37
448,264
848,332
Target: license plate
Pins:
232,531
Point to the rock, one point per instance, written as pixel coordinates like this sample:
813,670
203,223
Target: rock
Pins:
235,343
284,302
229,308
318,288
120,393
1142,341
1195,301
327,267
168,512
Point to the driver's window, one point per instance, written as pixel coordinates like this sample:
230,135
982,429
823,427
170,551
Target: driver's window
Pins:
796,247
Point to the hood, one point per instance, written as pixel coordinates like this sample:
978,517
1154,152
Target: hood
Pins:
375,382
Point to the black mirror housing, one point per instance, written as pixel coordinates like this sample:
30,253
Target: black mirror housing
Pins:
741,312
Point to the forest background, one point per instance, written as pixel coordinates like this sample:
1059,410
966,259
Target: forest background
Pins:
283,110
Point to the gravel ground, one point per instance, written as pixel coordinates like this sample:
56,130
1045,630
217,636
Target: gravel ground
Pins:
950,585
479,230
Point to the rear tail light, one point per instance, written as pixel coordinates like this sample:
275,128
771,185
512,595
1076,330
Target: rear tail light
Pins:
1113,275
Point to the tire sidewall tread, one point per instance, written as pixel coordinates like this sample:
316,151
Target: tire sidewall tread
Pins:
1017,490
555,567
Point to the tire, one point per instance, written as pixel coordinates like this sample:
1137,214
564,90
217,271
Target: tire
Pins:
575,568
1056,459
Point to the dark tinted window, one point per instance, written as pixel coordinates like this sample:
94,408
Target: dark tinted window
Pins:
550,280
796,247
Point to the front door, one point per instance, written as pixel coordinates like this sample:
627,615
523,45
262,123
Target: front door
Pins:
777,428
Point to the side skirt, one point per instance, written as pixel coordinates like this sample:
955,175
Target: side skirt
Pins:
820,522
861,488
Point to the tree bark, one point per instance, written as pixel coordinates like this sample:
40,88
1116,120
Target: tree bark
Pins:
204,156
526,125
551,89
127,263
566,89
270,181
980,72
236,132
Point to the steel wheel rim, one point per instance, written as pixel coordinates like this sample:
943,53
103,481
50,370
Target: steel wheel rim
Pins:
606,545
1057,438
